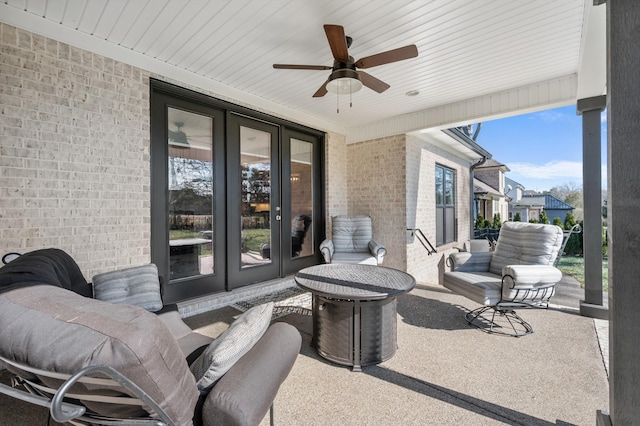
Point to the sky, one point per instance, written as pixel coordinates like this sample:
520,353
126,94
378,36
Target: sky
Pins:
542,149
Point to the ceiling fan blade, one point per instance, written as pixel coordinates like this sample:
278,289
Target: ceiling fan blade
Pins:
300,67
337,42
373,83
321,91
389,56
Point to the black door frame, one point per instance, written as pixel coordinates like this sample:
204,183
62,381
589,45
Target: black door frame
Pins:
159,220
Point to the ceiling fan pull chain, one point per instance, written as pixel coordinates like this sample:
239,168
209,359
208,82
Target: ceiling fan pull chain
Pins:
338,102
350,95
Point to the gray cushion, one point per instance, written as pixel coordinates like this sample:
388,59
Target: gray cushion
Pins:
351,233
481,287
244,394
522,243
231,345
138,286
55,329
470,261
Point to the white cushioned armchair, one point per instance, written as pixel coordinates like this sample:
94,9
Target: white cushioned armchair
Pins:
352,242
518,273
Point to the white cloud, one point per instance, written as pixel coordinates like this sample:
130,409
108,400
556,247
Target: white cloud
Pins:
549,116
551,170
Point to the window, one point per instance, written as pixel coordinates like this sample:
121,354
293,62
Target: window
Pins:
445,205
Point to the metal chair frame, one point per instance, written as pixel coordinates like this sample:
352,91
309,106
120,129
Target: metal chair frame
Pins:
63,401
517,326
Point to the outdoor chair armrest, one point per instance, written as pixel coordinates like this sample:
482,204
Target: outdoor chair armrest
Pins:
244,394
377,250
326,248
530,276
470,261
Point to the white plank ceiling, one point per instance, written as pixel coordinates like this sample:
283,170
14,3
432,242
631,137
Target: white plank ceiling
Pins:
467,48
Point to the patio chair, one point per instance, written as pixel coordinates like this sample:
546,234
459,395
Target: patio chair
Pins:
519,273
352,242
114,355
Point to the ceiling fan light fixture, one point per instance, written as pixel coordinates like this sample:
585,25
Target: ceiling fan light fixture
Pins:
178,138
344,82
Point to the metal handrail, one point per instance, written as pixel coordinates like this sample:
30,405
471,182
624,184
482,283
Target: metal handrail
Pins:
423,240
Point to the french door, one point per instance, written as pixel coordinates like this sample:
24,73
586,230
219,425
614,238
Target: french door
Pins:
235,199
253,202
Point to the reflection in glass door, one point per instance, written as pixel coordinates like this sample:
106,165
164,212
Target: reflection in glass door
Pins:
301,193
191,251
255,200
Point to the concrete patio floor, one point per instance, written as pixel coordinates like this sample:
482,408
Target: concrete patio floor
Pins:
446,372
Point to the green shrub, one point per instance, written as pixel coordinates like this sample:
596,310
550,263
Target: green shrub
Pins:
497,223
544,218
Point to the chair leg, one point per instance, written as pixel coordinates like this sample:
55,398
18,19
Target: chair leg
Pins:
271,422
513,324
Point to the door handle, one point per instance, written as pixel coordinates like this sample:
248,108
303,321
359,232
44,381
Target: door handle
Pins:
278,217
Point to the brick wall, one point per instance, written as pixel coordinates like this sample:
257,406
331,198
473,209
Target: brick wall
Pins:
335,177
421,158
74,153
376,187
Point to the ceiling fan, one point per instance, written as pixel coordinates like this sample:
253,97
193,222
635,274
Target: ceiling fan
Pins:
346,76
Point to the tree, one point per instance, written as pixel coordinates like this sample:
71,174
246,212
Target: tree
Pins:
558,222
479,221
570,193
574,245
543,217
517,217
497,223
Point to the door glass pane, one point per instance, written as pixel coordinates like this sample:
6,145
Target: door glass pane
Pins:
255,200
302,238
190,194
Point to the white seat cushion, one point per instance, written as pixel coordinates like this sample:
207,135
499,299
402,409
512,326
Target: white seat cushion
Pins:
361,258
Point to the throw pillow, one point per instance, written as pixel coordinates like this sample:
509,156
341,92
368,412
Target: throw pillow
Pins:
137,286
231,345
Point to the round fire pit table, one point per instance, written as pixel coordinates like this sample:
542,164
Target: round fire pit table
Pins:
354,311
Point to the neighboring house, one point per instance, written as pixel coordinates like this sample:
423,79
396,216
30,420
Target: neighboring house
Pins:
553,207
531,203
490,190
515,192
